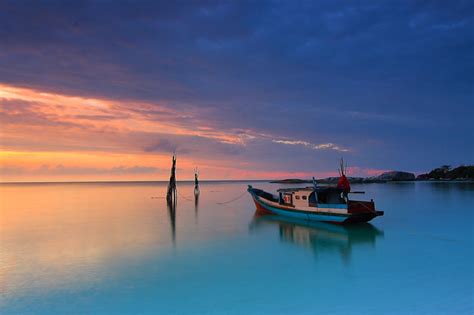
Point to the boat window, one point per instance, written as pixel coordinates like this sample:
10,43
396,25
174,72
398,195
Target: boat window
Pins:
298,197
305,197
288,199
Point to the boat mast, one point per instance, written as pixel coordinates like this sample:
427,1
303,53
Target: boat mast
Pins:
343,182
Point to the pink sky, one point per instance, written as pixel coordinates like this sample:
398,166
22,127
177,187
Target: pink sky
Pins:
55,137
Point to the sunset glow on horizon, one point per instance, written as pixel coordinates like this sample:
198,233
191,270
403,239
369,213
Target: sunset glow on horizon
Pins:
109,90
53,137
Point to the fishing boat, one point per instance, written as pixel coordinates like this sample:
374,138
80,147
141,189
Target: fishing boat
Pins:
318,203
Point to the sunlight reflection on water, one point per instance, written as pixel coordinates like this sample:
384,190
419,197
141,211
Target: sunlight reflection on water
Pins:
116,248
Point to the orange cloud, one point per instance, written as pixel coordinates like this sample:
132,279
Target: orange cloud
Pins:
50,136
100,114
46,136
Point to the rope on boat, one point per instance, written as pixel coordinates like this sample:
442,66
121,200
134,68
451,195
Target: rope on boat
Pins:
232,200
188,199
370,209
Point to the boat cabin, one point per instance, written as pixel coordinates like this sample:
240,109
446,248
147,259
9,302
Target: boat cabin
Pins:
310,197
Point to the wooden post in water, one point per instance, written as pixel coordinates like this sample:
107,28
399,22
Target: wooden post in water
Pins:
171,195
196,183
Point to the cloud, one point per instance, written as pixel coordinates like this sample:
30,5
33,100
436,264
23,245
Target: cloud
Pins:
226,78
163,146
321,146
59,169
24,109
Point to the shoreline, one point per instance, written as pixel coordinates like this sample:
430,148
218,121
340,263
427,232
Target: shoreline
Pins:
369,181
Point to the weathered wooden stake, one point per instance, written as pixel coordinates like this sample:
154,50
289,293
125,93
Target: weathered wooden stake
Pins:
196,183
171,195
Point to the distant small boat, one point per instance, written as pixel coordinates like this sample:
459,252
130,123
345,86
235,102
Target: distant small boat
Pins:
319,204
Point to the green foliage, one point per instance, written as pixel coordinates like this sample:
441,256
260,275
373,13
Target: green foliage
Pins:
445,172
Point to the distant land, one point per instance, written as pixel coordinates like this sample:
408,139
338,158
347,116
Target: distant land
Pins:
445,172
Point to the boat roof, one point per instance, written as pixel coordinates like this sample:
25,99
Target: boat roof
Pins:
295,189
317,189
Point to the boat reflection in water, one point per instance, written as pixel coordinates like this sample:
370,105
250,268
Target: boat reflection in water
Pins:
320,237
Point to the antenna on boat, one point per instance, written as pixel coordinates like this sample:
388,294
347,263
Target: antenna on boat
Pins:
315,184
341,167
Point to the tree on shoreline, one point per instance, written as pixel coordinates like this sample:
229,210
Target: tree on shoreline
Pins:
445,172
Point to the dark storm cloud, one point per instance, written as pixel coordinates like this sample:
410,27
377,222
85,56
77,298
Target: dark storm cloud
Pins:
386,79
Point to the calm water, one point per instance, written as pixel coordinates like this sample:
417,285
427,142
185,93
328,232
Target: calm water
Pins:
116,249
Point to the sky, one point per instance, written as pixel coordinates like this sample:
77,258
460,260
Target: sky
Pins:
108,90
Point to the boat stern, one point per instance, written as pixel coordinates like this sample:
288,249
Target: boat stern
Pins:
362,211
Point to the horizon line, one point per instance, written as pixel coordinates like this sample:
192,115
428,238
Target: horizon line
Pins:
133,181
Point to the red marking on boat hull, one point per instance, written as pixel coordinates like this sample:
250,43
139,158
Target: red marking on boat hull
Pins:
260,208
356,207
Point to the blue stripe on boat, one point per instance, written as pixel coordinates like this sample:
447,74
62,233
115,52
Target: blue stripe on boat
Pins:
332,205
304,215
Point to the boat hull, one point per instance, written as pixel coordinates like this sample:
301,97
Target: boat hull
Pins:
299,214
266,208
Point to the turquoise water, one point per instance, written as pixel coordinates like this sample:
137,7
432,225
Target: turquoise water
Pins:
116,249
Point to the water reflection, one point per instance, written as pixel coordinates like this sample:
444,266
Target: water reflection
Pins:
71,235
196,207
447,186
172,216
319,237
